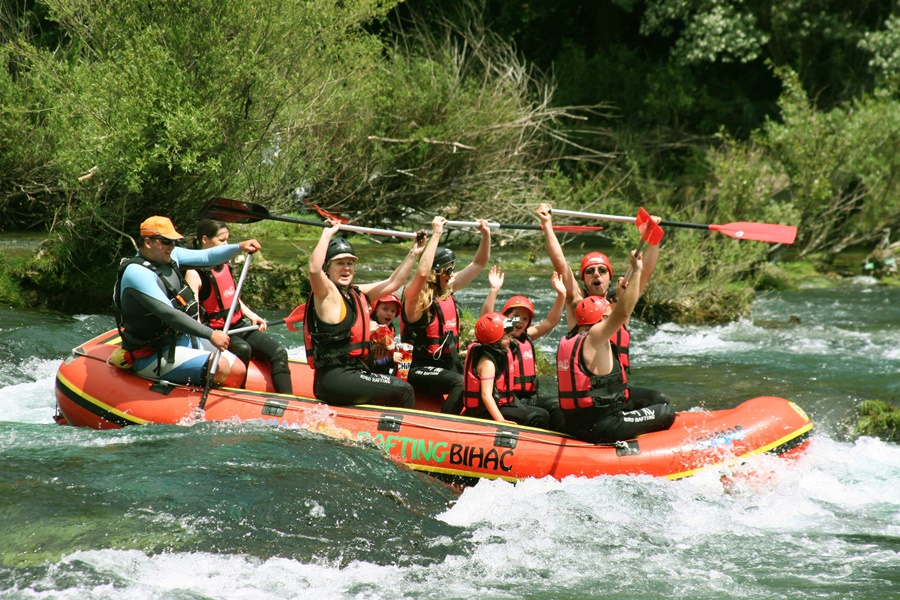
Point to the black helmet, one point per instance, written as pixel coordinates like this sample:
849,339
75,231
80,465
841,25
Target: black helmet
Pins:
338,248
442,258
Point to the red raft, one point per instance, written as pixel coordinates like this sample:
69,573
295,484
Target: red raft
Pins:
90,393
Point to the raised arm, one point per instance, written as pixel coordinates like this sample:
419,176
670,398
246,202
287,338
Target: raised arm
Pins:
627,297
552,318
465,276
554,251
423,270
495,279
396,279
325,293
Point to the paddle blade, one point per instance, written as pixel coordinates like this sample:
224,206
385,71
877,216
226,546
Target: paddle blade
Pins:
296,316
234,211
650,230
759,232
577,228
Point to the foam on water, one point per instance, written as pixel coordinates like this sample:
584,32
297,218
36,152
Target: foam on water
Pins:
771,528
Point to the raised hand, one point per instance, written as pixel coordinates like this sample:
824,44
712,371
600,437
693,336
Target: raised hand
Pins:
495,277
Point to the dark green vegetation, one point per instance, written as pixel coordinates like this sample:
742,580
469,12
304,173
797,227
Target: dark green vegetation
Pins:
879,419
710,112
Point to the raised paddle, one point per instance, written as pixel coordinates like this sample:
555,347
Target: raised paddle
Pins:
238,211
296,316
530,227
215,361
760,232
651,233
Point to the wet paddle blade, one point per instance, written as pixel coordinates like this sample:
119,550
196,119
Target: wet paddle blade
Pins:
234,211
759,232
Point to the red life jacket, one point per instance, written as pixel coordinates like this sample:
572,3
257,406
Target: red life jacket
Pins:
578,388
217,296
503,395
330,345
523,367
622,341
435,341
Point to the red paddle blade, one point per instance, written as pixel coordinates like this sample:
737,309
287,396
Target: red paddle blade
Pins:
296,316
650,230
327,215
759,232
576,228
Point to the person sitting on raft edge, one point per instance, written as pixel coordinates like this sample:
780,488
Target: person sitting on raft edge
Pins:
488,376
593,390
523,352
337,326
156,311
596,276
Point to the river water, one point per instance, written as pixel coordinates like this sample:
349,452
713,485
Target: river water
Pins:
228,510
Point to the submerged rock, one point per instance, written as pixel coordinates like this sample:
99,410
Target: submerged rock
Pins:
879,419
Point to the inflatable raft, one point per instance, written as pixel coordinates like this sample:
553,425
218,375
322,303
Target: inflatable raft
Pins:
90,393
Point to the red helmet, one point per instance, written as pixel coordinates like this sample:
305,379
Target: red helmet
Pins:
520,302
386,299
491,327
595,258
590,310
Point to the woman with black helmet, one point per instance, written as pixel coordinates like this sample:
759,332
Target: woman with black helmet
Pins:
430,317
488,376
337,326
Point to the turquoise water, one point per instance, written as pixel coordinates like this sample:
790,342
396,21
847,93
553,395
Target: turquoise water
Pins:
227,510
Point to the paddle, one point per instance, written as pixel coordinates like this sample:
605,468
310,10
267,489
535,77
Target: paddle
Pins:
760,232
215,361
296,316
651,233
531,227
237,211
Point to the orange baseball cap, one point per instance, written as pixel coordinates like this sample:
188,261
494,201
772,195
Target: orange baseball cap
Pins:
161,226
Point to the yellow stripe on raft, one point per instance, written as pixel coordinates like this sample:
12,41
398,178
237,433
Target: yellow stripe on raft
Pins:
95,402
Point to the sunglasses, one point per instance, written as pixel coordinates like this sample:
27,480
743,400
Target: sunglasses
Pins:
601,270
165,241
448,271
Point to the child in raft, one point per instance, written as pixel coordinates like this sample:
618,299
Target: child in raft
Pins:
524,368
385,354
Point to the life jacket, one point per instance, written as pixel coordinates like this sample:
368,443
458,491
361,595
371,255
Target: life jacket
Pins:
622,338
217,295
578,388
622,341
523,367
435,336
503,393
331,345
146,335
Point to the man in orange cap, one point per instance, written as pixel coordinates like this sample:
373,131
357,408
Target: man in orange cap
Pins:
156,311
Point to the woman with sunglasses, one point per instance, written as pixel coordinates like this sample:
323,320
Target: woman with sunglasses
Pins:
596,274
214,288
430,317
337,326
